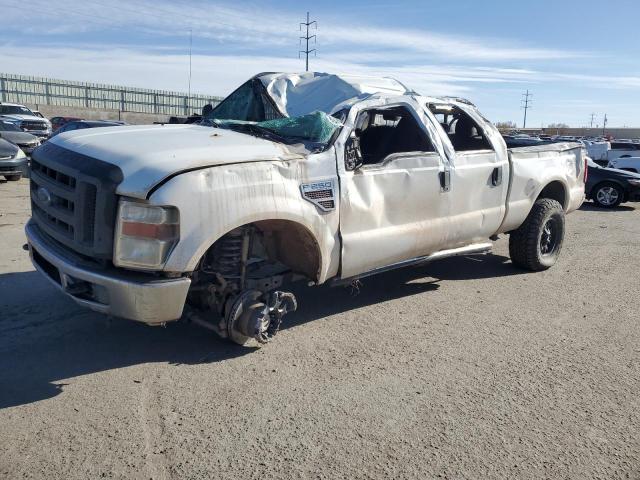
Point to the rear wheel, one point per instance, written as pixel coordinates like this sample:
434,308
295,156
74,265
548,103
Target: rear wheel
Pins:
536,244
608,195
13,178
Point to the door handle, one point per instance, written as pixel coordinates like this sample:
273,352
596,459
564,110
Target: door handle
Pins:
496,176
445,180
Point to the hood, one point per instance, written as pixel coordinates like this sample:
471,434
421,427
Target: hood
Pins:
19,138
622,173
7,149
151,153
29,118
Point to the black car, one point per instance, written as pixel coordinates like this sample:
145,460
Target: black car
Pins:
81,124
608,187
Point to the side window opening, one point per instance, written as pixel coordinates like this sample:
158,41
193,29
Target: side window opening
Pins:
383,132
463,131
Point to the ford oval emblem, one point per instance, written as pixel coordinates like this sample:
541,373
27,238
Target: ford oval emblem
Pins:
43,195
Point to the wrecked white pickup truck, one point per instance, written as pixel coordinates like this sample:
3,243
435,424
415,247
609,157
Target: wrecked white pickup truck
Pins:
293,176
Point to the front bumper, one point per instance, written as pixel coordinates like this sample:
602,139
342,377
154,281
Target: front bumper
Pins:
28,149
110,291
15,166
633,194
39,133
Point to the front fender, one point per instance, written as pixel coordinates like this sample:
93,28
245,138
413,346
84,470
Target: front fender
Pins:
216,200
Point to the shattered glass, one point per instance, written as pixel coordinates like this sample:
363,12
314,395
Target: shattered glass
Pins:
315,128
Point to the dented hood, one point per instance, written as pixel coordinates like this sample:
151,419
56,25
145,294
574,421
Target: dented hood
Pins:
151,153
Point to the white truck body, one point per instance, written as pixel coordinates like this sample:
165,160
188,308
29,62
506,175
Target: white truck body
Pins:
409,205
630,164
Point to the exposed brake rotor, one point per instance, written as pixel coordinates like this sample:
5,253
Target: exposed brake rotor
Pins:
252,316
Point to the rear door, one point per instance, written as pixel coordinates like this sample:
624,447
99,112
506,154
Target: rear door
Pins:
479,173
393,207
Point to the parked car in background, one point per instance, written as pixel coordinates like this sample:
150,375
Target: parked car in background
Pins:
82,124
621,149
609,187
13,134
25,120
57,122
628,163
38,114
13,161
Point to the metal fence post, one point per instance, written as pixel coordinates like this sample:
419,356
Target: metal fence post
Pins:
86,97
2,89
122,100
186,106
46,94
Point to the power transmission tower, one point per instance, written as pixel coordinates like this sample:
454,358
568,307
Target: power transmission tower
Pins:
526,104
306,38
593,115
604,123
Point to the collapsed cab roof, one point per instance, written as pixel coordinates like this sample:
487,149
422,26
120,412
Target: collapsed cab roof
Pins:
297,94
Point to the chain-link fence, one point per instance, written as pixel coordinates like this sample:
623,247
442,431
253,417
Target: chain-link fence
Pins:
45,91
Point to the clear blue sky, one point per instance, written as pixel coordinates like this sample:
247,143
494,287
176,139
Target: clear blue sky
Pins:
576,57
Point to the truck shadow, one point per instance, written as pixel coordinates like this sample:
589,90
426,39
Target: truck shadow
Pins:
45,339
591,207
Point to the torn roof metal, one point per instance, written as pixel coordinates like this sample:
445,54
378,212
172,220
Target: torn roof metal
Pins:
298,94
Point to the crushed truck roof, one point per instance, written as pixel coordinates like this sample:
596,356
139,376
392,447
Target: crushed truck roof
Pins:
297,94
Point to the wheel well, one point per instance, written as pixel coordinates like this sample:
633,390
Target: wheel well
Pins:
292,244
555,191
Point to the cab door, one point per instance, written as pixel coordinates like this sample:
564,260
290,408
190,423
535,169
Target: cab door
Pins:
395,206
479,173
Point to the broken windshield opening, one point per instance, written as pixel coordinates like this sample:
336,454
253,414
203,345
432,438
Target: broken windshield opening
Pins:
315,130
249,103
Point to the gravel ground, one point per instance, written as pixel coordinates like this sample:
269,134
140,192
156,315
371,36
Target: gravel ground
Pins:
467,368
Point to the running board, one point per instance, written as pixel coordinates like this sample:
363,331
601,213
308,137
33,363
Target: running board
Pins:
474,249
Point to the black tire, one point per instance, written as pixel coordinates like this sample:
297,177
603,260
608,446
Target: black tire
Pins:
536,244
13,178
607,194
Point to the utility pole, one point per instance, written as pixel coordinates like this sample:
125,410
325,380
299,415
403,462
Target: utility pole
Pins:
526,104
604,124
593,115
306,38
190,48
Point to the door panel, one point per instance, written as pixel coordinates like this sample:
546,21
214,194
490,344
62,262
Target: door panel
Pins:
392,211
478,195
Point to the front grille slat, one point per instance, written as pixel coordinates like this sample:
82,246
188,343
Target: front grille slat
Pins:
27,125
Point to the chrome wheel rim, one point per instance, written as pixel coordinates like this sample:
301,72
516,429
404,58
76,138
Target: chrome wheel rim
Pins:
549,238
607,196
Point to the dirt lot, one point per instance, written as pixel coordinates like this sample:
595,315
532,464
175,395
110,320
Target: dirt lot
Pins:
467,368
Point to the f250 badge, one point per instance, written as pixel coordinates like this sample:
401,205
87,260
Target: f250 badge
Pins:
321,194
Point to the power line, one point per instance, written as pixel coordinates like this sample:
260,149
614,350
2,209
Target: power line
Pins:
190,48
306,38
526,104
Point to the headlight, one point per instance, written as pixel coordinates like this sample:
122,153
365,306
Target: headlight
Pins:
634,181
20,154
145,235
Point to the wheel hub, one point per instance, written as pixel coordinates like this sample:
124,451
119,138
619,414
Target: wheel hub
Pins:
254,315
607,195
548,238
